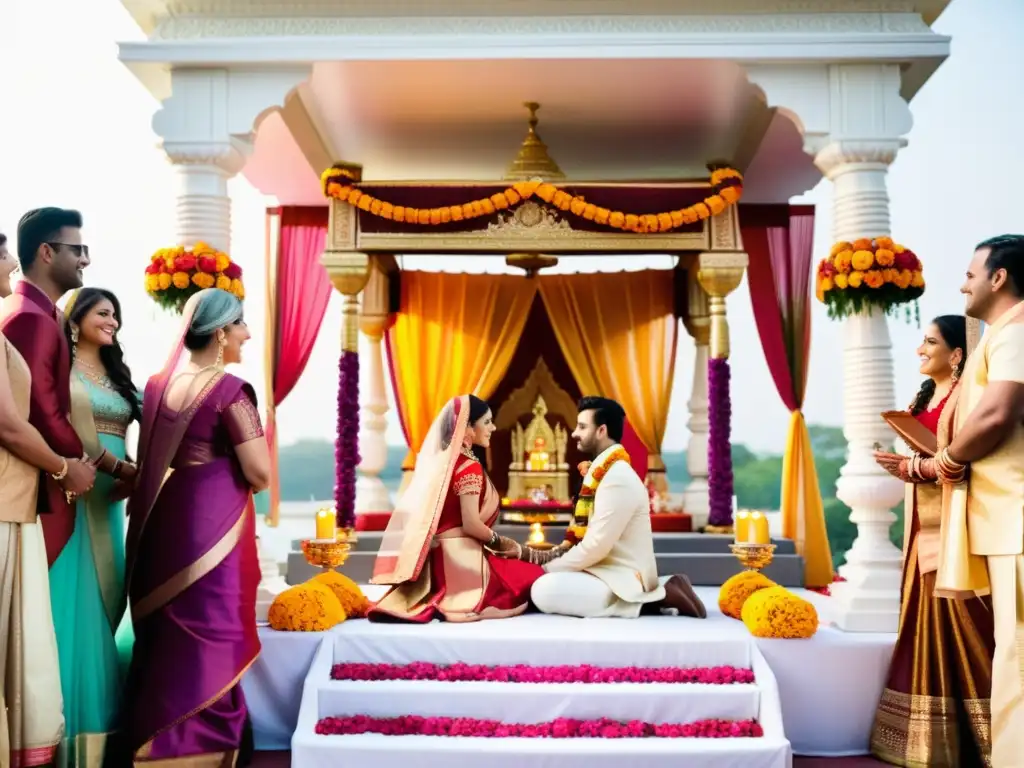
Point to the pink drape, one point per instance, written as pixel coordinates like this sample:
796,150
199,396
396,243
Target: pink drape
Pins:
299,289
779,241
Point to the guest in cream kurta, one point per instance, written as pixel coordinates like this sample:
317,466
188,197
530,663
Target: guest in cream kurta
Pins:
612,571
989,438
29,672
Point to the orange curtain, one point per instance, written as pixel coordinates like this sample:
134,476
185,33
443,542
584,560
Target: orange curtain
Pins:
454,334
618,334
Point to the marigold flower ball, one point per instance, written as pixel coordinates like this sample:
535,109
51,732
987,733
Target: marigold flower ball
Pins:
776,612
738,588
349,595
309,607
862,260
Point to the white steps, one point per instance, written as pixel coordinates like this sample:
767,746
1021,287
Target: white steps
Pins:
543,641
530,703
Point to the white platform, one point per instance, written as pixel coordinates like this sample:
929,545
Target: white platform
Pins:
531,702
826,688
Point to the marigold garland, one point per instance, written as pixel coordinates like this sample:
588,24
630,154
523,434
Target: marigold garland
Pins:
350,596
726,189
778,613
174,274
738,588
309,607
866,272
584,506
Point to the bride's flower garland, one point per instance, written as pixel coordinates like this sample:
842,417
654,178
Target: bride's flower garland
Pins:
726,190
592,477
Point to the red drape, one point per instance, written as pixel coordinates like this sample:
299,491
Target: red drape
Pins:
779,240
300,290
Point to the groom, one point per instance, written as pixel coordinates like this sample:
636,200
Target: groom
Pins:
606,566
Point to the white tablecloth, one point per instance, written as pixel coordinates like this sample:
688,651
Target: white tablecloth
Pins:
829,686
273,685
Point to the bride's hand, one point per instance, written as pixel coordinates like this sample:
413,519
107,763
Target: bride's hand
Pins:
894,464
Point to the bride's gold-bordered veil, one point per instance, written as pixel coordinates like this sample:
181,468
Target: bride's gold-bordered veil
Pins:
406,542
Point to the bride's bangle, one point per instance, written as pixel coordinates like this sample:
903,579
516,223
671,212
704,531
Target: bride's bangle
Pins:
495,538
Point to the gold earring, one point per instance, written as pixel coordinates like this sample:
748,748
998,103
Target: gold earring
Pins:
74,340
221,343
956,372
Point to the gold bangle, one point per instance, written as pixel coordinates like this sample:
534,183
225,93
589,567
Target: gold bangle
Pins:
58,476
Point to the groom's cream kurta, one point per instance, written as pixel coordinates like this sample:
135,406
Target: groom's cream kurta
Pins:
612,571
995,525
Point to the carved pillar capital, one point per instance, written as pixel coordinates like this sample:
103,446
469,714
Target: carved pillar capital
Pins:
349,273
719,274
698,316
373,315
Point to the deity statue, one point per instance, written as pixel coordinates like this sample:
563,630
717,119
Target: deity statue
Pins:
538,471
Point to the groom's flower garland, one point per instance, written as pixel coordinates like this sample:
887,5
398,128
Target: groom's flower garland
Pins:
726,189
592,477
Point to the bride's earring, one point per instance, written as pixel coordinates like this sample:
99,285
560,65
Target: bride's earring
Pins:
221,343
956,371
74,341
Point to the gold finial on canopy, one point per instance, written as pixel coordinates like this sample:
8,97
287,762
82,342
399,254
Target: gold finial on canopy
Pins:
533,160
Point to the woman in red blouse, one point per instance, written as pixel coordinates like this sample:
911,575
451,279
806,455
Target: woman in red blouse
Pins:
439,550
935,706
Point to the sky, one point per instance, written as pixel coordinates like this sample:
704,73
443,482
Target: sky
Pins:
75,131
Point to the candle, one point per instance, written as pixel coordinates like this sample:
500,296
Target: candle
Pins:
759,529
741,522
325,530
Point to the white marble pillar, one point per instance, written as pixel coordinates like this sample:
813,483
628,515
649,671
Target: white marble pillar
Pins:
204,215
869,599
372,496
695,497
203,206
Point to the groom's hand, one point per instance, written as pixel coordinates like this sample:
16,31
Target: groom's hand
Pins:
80,477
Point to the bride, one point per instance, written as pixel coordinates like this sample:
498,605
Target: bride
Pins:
440,552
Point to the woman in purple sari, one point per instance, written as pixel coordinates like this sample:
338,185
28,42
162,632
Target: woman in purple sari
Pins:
192,567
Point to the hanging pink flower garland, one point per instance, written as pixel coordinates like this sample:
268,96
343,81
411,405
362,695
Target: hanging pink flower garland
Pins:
524,673
562,728
720,478
346,447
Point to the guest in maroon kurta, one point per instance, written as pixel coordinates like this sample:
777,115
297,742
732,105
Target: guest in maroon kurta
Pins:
52,258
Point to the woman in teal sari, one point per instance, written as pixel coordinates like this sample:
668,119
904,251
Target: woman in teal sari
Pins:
87,588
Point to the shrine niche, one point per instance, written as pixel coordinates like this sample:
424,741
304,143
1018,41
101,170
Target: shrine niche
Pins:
539,471
535,415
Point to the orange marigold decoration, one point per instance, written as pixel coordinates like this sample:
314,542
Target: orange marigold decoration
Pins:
778,613
309,607
726,189
738,588
349,595
877,273
174,274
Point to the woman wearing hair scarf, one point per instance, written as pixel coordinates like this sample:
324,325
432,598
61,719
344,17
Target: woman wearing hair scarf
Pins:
192,567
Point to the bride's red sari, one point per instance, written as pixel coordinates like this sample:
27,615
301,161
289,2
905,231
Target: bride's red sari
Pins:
435,569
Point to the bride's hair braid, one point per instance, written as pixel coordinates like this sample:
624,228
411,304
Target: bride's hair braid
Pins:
924,396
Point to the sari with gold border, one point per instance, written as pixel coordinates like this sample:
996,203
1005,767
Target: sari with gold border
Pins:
934,710
192,573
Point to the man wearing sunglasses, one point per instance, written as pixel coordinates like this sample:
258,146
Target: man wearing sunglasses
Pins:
52,258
